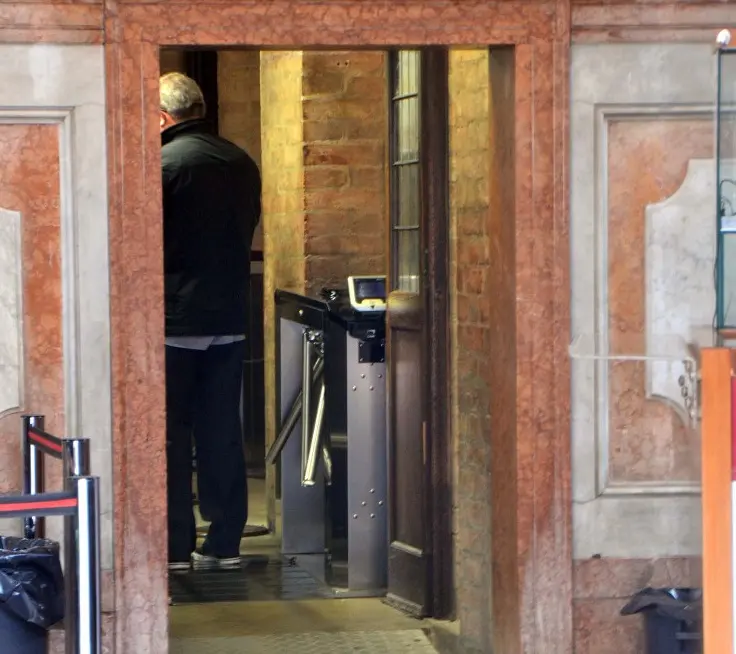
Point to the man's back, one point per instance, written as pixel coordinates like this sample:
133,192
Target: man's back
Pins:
211,201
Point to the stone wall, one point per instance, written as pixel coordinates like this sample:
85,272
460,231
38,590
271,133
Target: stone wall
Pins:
470,249
282,168
641,213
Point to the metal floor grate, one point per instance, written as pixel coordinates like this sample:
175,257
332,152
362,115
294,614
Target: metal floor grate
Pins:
261,579
363,642
258,580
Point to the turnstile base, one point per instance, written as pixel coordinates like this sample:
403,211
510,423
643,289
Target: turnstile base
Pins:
261,580
334,576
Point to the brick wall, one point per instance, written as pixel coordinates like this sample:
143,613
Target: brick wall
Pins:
345,150
344,135
470,299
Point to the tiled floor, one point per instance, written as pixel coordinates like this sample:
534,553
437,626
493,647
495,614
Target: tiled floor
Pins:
265,575
260,579
363,642
306,627
237,619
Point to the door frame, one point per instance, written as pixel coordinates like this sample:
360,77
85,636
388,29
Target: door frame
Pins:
533,569
434,290
434,123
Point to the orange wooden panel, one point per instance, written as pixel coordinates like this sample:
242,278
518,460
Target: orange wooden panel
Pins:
716,454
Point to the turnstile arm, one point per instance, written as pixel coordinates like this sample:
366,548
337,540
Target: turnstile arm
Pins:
310,469
292,417
306,396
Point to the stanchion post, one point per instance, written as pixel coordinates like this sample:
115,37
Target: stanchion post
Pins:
74,465
82,554
33,474
75,458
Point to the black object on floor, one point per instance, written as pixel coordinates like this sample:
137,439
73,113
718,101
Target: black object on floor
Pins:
250,531
258,580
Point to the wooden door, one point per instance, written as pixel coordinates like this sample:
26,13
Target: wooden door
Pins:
419,530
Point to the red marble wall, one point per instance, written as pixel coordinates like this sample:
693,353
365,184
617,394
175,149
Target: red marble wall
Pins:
29,184
603,586
647,439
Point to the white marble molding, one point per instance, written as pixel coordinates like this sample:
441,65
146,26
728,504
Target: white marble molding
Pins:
680,260
11,312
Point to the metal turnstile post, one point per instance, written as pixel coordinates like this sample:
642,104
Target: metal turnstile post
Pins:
302,507
367,472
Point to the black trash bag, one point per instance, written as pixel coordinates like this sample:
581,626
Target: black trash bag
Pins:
31,580
685,605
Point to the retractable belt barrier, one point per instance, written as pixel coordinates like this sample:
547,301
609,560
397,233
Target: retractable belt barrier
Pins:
79,504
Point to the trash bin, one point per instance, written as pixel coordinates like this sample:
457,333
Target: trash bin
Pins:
673,619
31,593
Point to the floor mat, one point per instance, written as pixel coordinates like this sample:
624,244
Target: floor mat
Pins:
365,642
258,580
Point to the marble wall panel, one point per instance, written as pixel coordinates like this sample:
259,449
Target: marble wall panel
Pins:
29,194
648,160
640,113
54,174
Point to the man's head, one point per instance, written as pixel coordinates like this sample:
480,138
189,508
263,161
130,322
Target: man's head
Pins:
180,99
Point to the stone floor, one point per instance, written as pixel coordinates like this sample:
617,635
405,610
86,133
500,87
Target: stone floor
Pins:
306,626
302,627
409,642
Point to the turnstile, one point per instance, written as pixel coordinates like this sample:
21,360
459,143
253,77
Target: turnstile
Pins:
332,448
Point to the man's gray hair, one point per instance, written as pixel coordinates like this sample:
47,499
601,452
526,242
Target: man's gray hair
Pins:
181,97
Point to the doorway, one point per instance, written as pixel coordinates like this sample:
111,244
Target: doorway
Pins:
360,141
530,519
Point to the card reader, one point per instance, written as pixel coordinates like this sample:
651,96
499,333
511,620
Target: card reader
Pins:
367,292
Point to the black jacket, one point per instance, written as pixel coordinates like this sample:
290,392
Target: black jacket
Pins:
212,204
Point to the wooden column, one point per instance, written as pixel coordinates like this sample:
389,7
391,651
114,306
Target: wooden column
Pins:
716,434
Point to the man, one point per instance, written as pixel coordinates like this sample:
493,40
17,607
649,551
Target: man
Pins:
212,204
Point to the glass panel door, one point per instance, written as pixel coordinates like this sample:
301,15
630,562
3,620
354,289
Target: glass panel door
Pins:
405,171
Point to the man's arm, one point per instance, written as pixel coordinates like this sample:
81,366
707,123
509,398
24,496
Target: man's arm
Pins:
169,179
168,173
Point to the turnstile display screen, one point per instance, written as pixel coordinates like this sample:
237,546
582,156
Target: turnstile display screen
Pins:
371,289
367,293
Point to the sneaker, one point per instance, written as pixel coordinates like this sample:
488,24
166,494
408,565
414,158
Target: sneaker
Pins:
179,566
201,561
